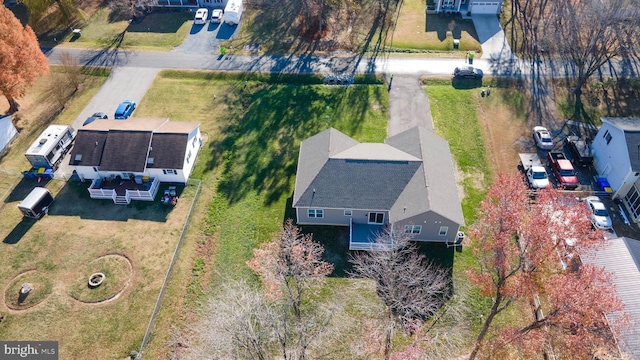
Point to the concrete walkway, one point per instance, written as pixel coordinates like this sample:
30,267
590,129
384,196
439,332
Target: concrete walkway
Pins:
491,37
408,105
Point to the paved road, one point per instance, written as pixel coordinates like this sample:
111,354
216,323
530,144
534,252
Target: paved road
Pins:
408,105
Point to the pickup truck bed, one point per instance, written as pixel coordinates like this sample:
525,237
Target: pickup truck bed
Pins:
562,170
580,150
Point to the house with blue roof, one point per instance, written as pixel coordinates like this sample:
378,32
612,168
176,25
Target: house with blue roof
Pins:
406,183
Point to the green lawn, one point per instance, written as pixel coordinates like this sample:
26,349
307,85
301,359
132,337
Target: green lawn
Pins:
156,31
254,128
418,31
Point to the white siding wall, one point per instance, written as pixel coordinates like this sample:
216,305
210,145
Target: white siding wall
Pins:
162,177
193,145
611,160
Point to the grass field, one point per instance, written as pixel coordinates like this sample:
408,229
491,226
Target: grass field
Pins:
416,30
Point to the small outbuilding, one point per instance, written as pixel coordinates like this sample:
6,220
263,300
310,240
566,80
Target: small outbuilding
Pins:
8,132
37,203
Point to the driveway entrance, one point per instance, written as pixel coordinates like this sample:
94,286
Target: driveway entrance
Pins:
491,37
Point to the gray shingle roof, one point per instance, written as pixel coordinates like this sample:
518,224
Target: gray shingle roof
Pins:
168,150
88,147
122,145
390,176
358,184
436,182
125,151
622,258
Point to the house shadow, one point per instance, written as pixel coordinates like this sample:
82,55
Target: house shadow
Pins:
74,200
441,23
19,231
23,188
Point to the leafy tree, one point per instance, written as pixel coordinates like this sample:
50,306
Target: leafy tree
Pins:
526,251
21,60
412,288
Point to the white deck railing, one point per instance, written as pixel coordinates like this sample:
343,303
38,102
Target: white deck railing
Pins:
131,194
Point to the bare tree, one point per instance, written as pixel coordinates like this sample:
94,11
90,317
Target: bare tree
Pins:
412,288
72,70
132,8
587,34
238,324
291,268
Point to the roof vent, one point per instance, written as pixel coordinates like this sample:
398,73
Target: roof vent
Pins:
96,143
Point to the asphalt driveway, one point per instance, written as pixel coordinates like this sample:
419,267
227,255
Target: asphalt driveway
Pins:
124,83
206,39
408,105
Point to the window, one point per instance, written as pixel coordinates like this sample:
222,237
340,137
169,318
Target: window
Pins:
443,230
607,136
348,213
412,229
315,213
195,139
95,169
188,156
376,218
169,172
150,161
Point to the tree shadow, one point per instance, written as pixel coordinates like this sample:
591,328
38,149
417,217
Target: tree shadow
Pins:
110,55
264,127
159,22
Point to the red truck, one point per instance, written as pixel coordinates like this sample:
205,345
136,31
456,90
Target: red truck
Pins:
563,170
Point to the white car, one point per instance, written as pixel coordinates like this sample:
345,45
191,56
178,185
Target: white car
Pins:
599,215
216,16
542,137
201,16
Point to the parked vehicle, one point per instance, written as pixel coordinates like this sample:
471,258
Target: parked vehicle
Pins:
216,16
94,117
201,16
563,170
50,147
599,215
124,110
37,203
580,150
467,72
542,137
534,171
233,12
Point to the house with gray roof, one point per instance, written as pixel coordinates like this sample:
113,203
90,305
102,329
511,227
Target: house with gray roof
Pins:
616,157
127,160
406,183
621,257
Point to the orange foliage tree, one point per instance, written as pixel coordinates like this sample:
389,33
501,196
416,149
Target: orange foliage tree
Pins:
21,60
528,250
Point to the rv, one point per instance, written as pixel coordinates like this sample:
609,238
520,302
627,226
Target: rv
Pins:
233,12
50,147
37,203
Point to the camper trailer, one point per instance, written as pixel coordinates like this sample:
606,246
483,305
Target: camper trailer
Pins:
36,203
50,147
233,12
